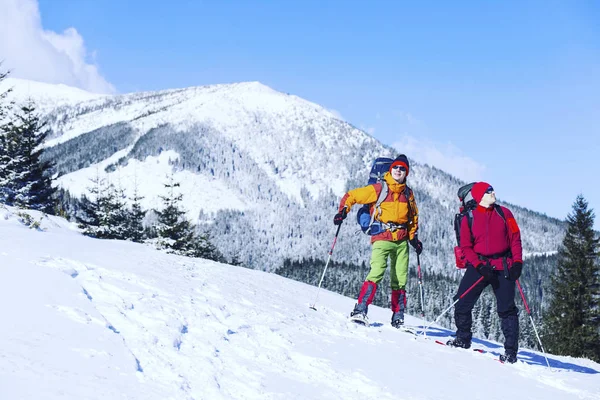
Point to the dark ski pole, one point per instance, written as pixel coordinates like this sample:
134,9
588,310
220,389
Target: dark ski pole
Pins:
325,269
532,323
453,304
421,286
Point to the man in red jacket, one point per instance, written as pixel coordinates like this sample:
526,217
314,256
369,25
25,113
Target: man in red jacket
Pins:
492,247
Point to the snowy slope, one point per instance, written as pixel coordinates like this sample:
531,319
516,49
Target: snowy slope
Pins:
98,319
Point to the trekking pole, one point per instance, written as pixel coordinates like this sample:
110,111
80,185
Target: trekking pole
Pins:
421,286
532,323
326,264
453,304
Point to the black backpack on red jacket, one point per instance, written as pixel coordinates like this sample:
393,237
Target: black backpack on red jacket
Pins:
467,205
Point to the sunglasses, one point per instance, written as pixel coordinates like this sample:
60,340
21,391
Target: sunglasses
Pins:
489,190
399,167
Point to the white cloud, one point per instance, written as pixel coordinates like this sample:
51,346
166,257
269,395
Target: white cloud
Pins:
34,53
444,156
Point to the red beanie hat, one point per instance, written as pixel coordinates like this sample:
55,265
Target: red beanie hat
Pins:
400,160
479,190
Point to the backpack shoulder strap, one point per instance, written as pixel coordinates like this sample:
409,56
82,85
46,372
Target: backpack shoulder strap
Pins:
497,208
383,194
470,221
500,212
408,192
377,207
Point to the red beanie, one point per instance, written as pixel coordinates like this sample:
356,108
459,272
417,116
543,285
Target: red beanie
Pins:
479,190
400,160
399,163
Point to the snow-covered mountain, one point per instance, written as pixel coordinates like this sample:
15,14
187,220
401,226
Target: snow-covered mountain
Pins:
47,96
100,319
263,170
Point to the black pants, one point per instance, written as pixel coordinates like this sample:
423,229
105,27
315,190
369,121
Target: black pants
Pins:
504,290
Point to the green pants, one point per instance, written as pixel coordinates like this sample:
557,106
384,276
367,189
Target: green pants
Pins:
398,254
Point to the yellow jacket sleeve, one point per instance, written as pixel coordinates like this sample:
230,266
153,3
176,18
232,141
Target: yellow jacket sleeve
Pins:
362,195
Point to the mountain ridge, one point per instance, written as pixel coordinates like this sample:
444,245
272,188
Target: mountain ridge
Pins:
280,162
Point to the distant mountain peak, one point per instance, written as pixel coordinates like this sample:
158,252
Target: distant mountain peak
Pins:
46,95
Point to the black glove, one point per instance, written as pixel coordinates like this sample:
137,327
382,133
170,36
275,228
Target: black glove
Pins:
487,271
515,270
340,217
416,244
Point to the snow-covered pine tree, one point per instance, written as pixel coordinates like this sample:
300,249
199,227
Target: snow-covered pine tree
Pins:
3,139
12,164
175,232
30,177
3,105
104,215
204,248
134,225
572,321
89,214
113,213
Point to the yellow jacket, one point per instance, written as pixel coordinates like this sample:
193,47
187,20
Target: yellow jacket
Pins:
394,208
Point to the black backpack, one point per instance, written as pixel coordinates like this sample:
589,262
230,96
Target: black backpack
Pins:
467,205
366,220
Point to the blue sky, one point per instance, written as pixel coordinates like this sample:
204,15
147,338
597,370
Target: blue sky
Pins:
505,92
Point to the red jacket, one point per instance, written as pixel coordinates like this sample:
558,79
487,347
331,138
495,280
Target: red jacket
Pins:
491,235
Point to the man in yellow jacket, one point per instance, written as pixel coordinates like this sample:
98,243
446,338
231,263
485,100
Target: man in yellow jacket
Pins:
395,225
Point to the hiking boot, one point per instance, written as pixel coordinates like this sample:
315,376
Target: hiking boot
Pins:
509,357
359,308
458,342
397,319
359,314
359,317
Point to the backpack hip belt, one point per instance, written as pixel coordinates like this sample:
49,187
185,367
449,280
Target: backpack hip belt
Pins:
392,226
504,254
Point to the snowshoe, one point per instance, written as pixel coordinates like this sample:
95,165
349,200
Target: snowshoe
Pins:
359,317
509,357
459,343
398,320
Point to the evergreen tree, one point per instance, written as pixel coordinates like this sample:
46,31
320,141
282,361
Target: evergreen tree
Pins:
113,214
28,177
12,164
135,228
204,248
3,95
175,232
88,216
572,321
104,215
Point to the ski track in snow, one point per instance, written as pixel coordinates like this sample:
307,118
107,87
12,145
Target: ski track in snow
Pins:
101,319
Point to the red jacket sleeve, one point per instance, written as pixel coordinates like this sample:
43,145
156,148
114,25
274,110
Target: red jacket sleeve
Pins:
514,235
466,243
